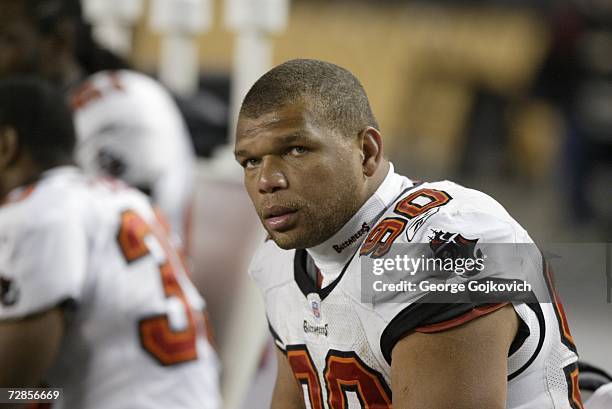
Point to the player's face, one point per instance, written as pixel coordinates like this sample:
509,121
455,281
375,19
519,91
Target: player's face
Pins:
19,41
304,180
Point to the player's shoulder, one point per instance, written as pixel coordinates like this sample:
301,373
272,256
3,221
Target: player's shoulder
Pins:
271,266
448,197
65,195
442,209
54,197
475,213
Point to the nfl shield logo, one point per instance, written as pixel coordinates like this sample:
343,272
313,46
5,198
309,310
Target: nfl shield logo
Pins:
314,302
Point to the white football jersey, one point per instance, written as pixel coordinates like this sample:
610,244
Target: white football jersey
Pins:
128,126
339,345
135,335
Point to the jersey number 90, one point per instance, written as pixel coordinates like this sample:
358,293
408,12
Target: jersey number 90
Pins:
344,373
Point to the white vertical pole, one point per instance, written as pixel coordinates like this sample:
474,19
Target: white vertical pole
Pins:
252,58
179,22
253,21
112,22
114,36
178,65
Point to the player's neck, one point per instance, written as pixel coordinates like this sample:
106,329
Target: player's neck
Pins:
331,255
378,178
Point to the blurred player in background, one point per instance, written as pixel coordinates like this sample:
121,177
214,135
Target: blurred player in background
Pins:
94,297
51,39
128,127
316,173
127,124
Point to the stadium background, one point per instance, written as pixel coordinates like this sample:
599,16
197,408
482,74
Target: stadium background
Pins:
510,97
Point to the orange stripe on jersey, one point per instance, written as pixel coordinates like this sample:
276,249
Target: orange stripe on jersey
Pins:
557,303
462,319
18,195
576,398
84,94
88,91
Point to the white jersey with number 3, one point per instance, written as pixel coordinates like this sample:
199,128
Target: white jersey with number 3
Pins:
134,334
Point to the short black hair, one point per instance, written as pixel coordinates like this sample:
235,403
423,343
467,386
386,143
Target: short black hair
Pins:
40,115
335,96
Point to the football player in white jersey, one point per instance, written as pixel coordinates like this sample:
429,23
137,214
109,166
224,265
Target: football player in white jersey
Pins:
94,298
315,171
129,127
127,124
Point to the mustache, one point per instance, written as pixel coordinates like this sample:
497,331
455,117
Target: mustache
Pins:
293,204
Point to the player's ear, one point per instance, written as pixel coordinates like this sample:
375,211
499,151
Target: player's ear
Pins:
372,149
8,146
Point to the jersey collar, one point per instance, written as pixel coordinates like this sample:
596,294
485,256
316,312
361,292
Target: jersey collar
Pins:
333,255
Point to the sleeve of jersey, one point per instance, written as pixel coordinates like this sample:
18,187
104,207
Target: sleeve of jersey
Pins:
432,312
44,267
